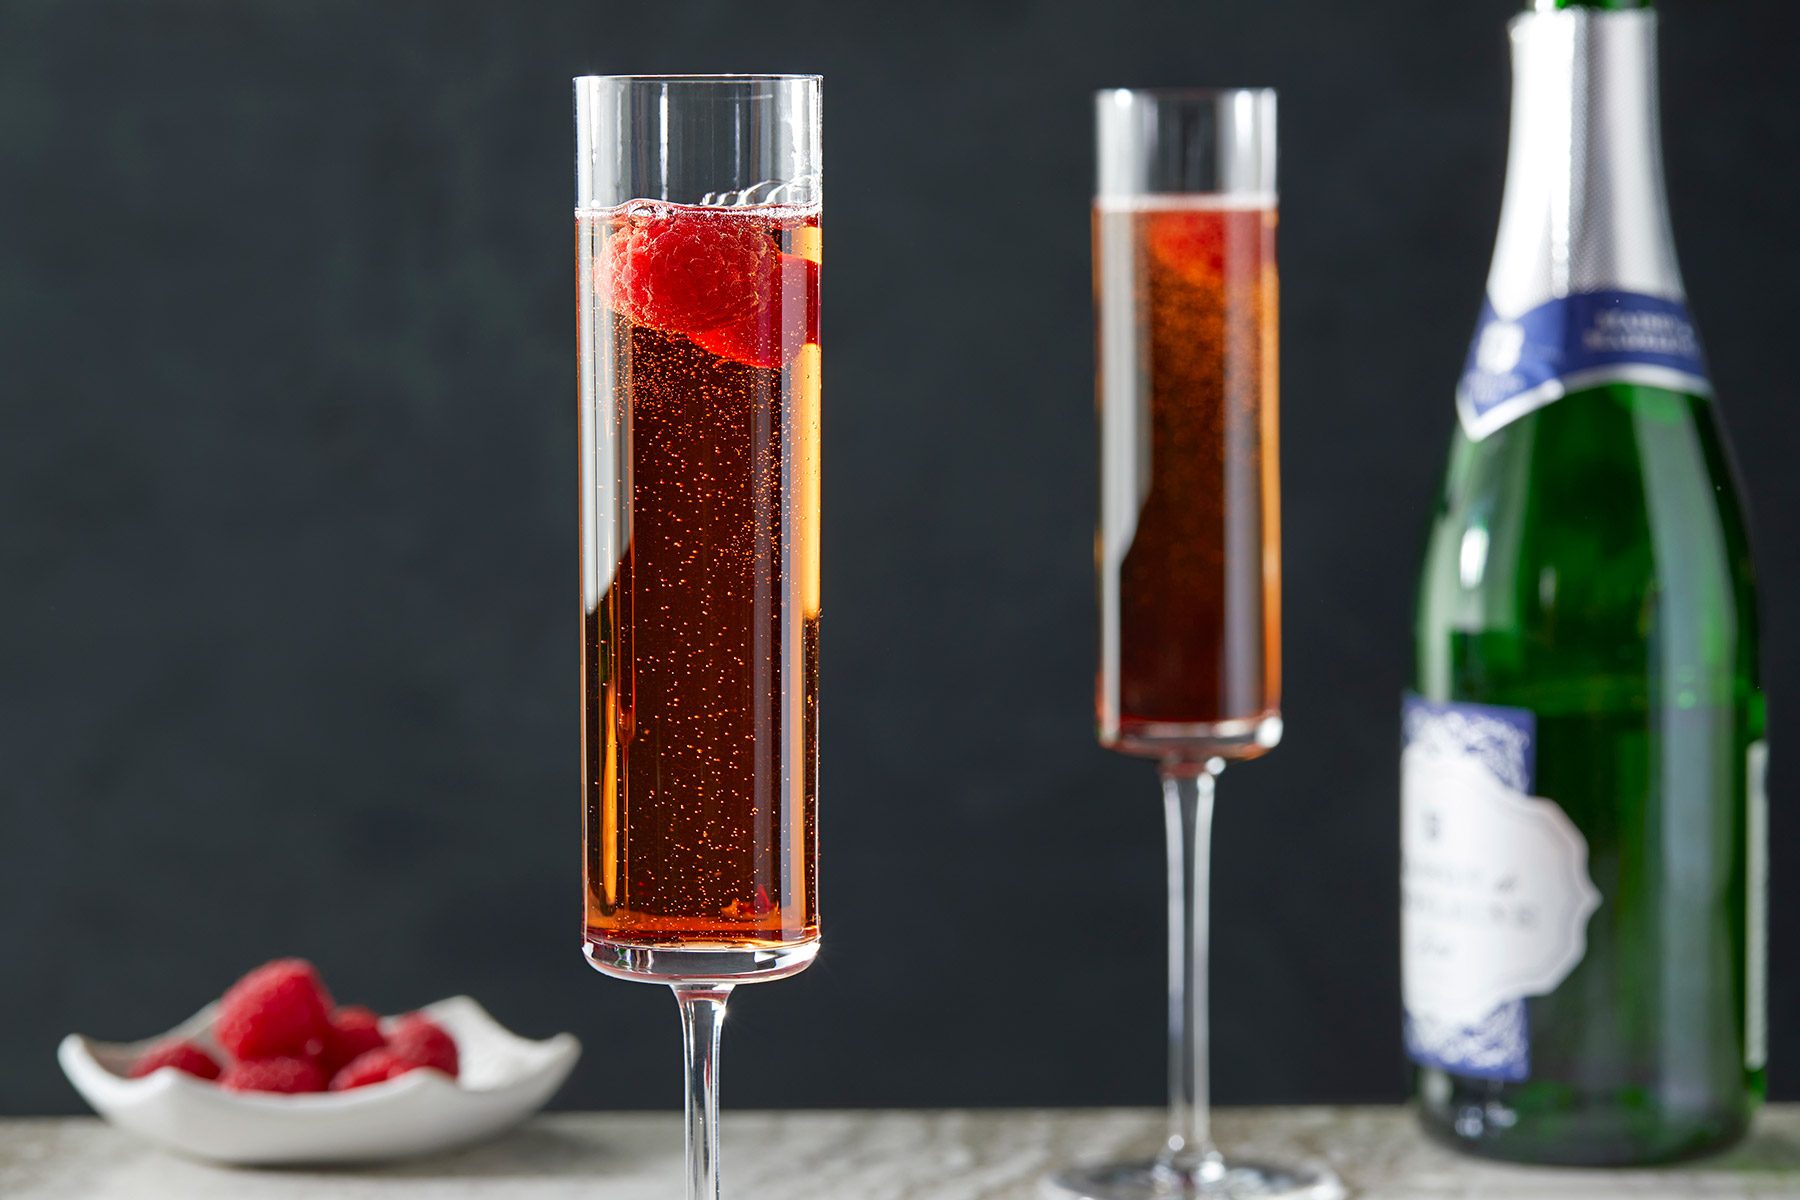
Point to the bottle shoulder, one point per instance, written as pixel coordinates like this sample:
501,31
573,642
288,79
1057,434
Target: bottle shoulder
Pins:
1612,476
1599,536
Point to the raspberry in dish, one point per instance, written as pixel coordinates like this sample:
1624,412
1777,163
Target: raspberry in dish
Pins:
183,1055
353,1032
377,1066
286,1074
279,1009
419,1039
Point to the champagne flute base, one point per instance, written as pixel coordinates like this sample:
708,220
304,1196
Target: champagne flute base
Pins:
684,965
1233,741
1152,1179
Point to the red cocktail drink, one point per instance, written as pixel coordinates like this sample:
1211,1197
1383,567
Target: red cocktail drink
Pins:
1190,550
701,636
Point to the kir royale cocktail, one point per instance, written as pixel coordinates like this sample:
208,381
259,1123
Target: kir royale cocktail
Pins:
1188,549
1189,544
701,574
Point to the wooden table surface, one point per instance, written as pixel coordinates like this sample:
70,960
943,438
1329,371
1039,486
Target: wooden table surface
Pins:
946,1155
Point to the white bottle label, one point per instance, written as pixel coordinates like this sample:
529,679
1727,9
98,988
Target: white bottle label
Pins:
1756,911
1495,891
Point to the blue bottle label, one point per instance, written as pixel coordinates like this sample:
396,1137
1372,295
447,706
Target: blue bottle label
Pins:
1494,885
1572,342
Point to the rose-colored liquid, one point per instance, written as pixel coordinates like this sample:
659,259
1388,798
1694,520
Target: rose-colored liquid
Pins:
1190,557
700,638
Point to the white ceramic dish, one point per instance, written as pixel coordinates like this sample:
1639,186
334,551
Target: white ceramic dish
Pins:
504,1079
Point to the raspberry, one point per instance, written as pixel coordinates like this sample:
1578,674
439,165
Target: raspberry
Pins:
685,271
178,1053
762,340
274,1011
1190,242
354,1031
373,1067
284,1074
419,1039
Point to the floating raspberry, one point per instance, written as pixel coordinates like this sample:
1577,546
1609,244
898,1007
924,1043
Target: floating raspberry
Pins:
1192,242
274,1011
373,1067
282,1074
354,1031
417,1038
683,271
773,334
178,1053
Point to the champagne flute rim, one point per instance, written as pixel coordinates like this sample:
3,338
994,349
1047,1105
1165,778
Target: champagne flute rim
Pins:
716,77
1182,92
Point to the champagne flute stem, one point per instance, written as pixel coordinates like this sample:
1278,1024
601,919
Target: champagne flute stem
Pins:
702,1018
1188,786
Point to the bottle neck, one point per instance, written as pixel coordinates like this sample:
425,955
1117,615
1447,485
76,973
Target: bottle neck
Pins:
1584,208
1603,5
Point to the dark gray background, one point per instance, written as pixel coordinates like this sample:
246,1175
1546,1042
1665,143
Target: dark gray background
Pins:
287,520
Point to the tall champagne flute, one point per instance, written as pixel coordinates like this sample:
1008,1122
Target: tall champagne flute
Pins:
697,235
1189,547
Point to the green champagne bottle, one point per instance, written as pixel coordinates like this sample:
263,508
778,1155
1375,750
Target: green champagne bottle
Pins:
1583,812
